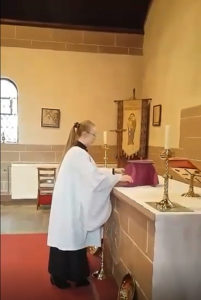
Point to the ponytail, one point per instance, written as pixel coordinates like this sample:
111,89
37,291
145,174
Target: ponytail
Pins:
71,139
75,132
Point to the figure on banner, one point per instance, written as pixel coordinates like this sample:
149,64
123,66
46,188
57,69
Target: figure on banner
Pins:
131,124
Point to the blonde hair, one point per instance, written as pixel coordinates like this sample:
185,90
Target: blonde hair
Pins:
76,132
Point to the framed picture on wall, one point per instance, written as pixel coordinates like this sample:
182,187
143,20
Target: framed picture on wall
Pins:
157,110
50,117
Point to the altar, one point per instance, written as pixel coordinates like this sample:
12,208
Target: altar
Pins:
161,250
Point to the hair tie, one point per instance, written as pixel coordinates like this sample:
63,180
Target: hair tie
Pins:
76,125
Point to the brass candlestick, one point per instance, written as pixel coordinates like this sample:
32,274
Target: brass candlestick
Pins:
191,192
3,137
100,274
106,148
165,203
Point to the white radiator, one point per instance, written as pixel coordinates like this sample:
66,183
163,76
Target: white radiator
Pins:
24,180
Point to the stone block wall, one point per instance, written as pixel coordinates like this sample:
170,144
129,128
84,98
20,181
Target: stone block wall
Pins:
129,246
189,145
71,40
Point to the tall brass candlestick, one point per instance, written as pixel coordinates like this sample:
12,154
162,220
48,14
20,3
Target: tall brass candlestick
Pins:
165,203
105,155
100,274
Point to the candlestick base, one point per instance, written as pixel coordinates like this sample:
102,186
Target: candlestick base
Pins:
191,194
177,207
100,275
165,204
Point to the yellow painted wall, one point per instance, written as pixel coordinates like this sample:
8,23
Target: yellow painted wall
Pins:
82,85
172,62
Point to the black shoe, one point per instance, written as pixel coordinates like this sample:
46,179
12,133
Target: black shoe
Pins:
61,284
83,282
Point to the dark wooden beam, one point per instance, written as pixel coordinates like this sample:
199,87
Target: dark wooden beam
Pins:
100,15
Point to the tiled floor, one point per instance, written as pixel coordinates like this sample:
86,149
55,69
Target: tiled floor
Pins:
24,218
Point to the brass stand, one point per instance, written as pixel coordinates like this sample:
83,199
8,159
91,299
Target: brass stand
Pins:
190,192
105,155
100,274
3,137
165,203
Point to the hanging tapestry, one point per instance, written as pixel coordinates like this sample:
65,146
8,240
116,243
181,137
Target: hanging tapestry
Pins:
132,123
132,127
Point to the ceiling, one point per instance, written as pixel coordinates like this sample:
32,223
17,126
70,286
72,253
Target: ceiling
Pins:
100,15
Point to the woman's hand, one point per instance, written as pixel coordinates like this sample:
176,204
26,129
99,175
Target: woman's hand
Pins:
126,178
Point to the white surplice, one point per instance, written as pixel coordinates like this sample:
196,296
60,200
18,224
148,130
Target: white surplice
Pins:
80,203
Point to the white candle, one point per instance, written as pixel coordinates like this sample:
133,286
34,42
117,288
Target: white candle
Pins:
105,137
167,137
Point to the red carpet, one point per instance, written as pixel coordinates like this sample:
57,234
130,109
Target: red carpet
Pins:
24,275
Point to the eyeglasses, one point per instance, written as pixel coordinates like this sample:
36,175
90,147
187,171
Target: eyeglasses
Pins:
92,133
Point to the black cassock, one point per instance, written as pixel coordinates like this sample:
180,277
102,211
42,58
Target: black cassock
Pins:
68,265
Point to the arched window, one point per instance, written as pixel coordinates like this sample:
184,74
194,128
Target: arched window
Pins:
9,117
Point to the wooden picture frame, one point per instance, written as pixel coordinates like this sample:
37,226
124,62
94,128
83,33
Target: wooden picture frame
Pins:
157,110
50,117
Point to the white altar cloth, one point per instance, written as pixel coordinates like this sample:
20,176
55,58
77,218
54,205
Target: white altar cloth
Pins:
177,247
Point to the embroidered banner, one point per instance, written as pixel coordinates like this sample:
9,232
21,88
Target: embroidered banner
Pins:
132,119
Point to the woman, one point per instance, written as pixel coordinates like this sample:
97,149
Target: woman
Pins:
80,206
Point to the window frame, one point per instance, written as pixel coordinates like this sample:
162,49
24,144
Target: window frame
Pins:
11,114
